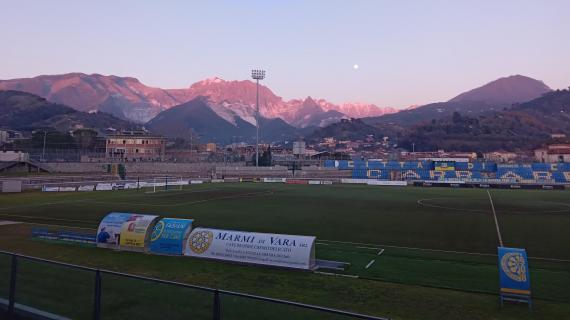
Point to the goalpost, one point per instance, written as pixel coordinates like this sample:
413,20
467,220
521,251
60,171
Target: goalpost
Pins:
167,183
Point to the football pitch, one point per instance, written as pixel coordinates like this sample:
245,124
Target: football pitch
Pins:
414,253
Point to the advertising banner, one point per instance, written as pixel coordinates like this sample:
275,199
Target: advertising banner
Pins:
249,247
86,188
513,271
67,189
104,187
386,183
169,236
50,189
135,230
354,181
109,231
444,165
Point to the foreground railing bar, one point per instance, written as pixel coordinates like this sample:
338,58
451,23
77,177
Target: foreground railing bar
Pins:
190,286
74,266
12,292
302,305
244,295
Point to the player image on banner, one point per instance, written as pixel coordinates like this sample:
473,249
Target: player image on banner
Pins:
109,231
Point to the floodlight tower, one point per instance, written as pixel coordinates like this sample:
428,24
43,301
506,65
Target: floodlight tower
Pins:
257,75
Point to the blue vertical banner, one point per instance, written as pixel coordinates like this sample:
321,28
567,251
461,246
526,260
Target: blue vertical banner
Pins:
514,274
169,236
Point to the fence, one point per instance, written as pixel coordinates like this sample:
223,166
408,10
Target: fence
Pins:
46,289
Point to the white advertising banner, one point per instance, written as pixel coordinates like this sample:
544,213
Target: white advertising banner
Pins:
249,247
86,188
67,189
354,181
314,182
196,182
386,183
104,187
274,180
50,189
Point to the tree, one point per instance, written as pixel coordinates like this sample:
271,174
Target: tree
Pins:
266,159
85,138
456,118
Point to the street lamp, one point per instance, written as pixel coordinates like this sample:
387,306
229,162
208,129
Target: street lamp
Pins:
257,75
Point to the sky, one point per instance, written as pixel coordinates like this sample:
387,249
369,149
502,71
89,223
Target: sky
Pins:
408,52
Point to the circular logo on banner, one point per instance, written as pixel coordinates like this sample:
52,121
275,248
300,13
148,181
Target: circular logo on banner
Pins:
157,231
200,241
513,265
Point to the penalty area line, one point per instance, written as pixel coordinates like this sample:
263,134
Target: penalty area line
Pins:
369,248
336,274
370,264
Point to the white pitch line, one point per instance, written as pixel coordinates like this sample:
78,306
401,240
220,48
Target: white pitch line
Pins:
57,225
369,248
336,274
370,263
495,217
46,218
381,251
439,250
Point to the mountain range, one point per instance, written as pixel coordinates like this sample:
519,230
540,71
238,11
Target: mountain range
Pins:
523,126
129,99
493,96
26,112
224,111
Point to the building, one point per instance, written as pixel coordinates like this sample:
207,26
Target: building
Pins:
135,146
3,137
500,156
211,147
553,153
14,156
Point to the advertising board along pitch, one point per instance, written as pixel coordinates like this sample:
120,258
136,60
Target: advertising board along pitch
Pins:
135,232
514,275
169,236
278,250
127,231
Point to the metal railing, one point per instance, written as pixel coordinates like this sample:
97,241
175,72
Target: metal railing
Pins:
216,312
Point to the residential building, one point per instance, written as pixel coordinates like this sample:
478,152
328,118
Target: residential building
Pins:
135,146
553,153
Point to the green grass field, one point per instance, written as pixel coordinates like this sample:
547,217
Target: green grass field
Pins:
438,249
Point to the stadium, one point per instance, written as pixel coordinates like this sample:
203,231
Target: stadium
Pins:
284,160
419,236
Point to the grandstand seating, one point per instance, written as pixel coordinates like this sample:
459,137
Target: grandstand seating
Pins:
477,170
515,172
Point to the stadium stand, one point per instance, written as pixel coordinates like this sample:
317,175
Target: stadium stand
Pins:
428,170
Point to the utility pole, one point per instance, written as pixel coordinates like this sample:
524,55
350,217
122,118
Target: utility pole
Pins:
44,147
257,75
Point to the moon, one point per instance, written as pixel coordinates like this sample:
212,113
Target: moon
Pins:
355,67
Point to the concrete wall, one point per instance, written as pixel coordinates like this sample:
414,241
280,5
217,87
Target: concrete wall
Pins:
133,167
205,170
